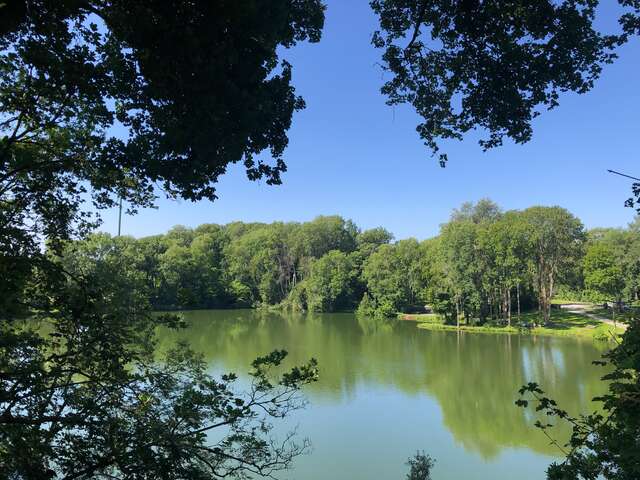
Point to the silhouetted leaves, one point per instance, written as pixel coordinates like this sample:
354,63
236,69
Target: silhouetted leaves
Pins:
420,466
493,65
603,444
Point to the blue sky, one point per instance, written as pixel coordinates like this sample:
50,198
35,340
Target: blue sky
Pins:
350,154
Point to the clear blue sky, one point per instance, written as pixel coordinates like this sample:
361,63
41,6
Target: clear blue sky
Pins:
350,154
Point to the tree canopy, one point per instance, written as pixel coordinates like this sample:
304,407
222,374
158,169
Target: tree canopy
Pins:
114,99
493,65
482,266
108,100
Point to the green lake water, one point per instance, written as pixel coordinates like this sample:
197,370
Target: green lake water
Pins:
389,389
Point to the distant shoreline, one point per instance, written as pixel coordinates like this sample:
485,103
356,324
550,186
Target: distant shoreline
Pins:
564,324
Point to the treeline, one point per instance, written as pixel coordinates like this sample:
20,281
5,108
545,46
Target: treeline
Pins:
484,264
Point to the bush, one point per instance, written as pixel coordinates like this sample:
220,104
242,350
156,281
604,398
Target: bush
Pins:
367,307
386,309
420,466
297,299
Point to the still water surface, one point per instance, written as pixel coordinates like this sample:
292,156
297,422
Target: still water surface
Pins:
389,389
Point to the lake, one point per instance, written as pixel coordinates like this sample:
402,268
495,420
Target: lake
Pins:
388,389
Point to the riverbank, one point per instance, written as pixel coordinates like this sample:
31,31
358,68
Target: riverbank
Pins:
563,324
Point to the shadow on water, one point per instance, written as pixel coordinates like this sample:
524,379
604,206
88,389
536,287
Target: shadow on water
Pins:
473,378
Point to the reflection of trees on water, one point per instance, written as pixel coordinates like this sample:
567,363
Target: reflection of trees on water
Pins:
371,325
473,377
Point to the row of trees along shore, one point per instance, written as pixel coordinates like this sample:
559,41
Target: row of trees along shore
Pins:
484,264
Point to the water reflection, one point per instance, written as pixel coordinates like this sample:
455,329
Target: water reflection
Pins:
473,377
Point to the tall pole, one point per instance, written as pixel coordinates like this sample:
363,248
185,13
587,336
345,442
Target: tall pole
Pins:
623,175
120,216
613,307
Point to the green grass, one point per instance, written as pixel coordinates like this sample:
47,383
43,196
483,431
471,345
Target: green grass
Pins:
561,319
422,317
469,328
562,324
602,312
564,301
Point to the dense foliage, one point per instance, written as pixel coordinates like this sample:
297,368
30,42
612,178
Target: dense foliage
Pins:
420,466
604,444
105,100
483,264
492,65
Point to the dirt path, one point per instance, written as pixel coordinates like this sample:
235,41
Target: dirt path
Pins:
582,310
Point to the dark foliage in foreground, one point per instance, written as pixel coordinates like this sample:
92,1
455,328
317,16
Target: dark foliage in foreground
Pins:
604,444
492,65
420,466
103,100
83,391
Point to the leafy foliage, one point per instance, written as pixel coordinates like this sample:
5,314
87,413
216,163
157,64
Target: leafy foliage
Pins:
485,265
330,283
420,466
107,100
556,238
83,394
392,276
493,65
103,100
603,273
603,444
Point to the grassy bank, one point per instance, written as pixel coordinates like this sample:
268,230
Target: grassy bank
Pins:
421,317
563,324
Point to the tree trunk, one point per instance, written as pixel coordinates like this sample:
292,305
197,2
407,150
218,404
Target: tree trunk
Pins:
545,309
518,293
547,316
509,307
613,313
505,305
